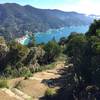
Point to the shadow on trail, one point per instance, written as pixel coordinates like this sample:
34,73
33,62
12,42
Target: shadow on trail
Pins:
66,77
69,89
57,82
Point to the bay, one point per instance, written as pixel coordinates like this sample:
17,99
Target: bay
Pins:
44,37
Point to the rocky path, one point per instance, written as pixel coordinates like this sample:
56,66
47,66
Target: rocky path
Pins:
34,87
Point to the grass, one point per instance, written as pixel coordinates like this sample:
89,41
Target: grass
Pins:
3,84
42,68
62,57
50,92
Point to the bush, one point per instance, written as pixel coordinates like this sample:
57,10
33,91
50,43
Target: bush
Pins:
3,84
52,51
25,72
50,92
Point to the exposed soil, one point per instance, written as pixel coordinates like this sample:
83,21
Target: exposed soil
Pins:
34,86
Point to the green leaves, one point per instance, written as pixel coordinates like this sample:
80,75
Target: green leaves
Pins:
52,50
94,29
85,53
96,47
76,44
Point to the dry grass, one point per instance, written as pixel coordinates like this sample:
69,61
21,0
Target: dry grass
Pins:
33,86
4,96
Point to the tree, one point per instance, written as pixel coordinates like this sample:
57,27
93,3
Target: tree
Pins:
32,40
52,50
3,52
93,28
34,56
77,50
62,41
85,53
16,54
94,40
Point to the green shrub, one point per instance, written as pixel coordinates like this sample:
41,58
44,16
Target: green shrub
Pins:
25,72
28,74
50,92
52,51
3,84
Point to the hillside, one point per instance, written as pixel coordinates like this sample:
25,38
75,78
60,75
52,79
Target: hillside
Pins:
16,19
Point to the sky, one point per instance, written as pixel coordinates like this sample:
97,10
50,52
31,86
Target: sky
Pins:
81,6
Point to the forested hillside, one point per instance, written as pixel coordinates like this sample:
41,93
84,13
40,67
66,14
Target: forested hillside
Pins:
15,19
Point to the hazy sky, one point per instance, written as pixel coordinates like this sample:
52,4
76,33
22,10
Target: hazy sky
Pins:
82,6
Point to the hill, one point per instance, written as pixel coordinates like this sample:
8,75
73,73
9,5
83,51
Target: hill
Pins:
16,19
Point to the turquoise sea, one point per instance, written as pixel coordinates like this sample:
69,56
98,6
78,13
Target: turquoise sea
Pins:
44,37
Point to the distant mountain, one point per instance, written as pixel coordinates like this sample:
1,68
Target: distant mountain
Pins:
94,16
16,19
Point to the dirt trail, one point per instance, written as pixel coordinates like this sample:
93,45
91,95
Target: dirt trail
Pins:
52,73
11,94
34,86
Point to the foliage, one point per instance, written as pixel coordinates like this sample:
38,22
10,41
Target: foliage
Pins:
32,42
25,72
93,30
50,92
52,50
17,53
62,41
84,51
3,84
3,52
19,60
